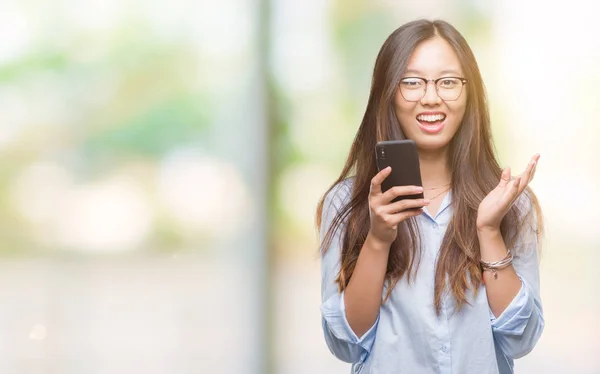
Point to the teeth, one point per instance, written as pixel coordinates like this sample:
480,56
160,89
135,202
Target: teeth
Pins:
431,118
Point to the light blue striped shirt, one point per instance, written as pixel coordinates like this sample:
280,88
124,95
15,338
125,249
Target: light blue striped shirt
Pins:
408,337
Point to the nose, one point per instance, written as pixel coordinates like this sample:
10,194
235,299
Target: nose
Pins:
431,96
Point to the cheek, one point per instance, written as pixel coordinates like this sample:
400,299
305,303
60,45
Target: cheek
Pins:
458,109
404,110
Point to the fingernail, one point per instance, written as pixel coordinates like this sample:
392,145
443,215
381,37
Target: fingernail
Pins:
419,189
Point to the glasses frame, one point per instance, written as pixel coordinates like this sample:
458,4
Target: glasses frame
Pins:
435,82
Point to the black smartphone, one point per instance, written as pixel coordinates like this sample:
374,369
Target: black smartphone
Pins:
402,156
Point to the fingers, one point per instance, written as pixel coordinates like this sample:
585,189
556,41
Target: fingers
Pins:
535,162
396,212
529,172
526,176
378,179
533,172
516,186
394,192
402,205
410,213
404,215
505,177
515,190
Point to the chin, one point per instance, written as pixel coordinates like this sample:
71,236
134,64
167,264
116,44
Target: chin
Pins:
431,143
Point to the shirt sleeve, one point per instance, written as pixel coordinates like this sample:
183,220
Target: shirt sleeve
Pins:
339,336
521,324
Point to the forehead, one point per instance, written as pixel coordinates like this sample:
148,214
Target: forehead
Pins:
434,57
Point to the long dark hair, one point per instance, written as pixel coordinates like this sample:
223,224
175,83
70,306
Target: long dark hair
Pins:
475,172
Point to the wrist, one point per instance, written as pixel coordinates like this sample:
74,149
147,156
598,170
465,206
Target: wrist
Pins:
488,233
377,244
491,244
487,229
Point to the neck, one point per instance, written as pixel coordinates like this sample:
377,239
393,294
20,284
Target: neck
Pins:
435,169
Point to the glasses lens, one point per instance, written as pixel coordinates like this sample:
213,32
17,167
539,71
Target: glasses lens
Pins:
412,89
449,88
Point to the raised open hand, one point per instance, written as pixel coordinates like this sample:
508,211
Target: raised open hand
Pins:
498,202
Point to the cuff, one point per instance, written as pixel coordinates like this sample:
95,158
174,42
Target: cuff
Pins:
334,313
514,318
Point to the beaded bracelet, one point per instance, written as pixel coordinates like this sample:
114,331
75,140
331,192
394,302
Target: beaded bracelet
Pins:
497,265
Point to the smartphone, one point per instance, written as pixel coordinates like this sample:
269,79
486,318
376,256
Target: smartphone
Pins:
402,156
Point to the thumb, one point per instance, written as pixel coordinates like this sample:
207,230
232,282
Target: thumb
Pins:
505,177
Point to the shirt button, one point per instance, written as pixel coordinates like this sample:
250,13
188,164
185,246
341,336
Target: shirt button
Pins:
444,348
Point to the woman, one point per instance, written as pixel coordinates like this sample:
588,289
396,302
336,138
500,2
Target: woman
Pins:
444,284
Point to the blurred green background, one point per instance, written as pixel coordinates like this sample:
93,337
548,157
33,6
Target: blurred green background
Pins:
161,162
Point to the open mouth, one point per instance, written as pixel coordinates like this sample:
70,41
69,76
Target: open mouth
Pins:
431,119
431,123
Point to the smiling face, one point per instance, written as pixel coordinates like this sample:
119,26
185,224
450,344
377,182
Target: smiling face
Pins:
430,121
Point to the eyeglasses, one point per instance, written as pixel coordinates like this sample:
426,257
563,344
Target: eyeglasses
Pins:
415,88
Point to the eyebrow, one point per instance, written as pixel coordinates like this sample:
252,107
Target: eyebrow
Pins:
443,72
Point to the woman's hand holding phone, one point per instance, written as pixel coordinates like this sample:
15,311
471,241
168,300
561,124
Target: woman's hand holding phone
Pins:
385,215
